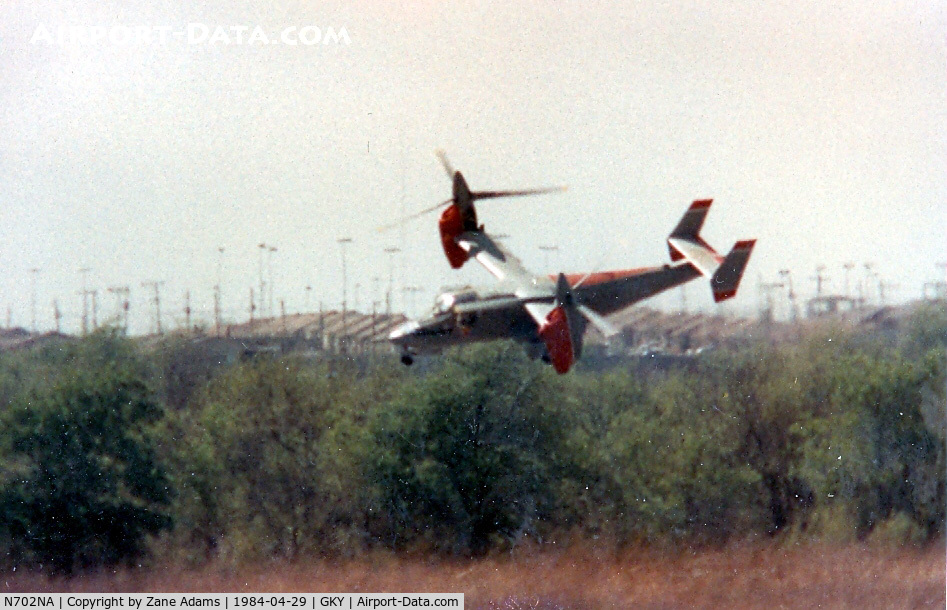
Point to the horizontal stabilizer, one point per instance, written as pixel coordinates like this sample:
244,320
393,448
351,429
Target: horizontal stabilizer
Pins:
697,253
726,279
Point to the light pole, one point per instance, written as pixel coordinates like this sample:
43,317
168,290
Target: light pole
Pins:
390,251
120,293
787,280
157,301
410,291
33,272
85,300
269,263
848,270
375,283
343,242
218,295
867,283
819,279
260,297
547,250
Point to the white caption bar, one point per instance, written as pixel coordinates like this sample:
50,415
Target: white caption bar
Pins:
231,601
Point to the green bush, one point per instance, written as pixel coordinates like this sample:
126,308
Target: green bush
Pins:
873,450
839,435
85,489
266,462
468,456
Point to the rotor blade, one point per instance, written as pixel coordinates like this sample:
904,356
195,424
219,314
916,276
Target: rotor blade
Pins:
405,219
584,277
520,193
447,166
624,244
600,323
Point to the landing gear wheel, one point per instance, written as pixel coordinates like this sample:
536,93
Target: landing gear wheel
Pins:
407,359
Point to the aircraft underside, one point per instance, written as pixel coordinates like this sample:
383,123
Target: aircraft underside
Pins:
439,332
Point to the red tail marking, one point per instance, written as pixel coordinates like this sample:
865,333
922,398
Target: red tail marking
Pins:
723,295
555,334
451,226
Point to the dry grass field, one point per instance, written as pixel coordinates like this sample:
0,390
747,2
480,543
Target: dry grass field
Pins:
743,576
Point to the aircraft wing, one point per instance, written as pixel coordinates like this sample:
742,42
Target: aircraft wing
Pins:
504,266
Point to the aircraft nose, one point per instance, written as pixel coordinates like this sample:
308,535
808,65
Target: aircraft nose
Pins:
402,332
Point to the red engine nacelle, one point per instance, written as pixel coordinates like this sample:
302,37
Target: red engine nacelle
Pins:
451,226
557,336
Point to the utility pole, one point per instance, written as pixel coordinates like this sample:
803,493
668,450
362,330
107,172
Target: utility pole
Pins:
95,309
217,311
410,291
546,250
217,292
343,242
187,310
376,282
374,317
126,303
390,251
793,307
57,316
252,305
848,269
768,288
269,263
85,300
260,296
157,302
867,282
882,287
820,279
33,272
308,296
121,305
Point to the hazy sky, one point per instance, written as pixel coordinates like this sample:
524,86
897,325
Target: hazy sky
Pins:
819,128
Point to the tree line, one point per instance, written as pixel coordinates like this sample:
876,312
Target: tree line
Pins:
111,453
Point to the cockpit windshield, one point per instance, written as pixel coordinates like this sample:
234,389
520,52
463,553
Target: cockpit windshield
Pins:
443,303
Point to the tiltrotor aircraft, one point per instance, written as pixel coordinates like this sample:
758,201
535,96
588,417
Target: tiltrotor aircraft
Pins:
550,314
